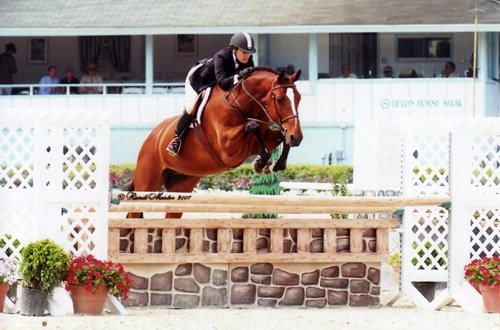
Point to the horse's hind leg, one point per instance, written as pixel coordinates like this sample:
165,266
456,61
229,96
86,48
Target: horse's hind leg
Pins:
146,178
175,182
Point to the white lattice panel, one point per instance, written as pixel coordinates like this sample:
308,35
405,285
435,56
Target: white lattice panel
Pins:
485,233
485,171
426,162
54,177
79,154
475,192
81,228
16,157
426,231
16,223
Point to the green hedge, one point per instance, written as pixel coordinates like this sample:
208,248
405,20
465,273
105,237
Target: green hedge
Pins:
240,178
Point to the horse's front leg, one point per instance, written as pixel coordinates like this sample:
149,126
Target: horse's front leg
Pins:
262,160
280,164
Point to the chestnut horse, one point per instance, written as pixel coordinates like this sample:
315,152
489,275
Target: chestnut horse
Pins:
252,119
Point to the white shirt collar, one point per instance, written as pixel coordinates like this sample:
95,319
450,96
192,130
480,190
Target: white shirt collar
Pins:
236,63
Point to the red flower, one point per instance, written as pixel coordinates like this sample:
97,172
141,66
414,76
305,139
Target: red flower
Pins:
485,270
91,272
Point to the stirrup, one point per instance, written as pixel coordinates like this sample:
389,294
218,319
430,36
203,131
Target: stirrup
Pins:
174,146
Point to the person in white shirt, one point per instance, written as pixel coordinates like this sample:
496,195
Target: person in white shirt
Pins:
448,71
49,79
92,77
346,72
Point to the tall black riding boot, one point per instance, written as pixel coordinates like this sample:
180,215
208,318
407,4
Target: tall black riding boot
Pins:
175,145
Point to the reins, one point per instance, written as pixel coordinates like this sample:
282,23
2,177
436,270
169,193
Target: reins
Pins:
271,123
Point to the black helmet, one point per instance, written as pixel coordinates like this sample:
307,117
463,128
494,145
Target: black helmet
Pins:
243,41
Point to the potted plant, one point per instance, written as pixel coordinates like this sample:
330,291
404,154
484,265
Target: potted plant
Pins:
90,280
43,266
10,249
8,276
485,272
395,262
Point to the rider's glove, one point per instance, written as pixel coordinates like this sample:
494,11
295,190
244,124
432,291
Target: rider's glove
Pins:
245,72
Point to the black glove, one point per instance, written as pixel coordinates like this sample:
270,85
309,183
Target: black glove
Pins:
245,72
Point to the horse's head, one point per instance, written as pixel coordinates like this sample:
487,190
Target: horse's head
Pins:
272,99
283,104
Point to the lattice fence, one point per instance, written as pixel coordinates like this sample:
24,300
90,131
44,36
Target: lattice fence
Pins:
54,179
459,158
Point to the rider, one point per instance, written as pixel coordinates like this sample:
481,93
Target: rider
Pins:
225,69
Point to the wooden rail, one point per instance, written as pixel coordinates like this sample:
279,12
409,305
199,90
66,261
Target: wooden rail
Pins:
312,223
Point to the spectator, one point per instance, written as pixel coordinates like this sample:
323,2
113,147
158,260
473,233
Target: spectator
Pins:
70,79
92,77
346,72
470,71
7,68
49,79
448,71
388,72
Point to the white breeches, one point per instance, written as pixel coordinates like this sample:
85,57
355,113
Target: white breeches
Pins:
191,96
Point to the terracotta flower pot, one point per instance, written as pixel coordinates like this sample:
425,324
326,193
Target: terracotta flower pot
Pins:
88,302
4,287
491,298
476,286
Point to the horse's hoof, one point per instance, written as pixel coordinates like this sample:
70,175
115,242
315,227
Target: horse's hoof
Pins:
268,169
276,167
255,164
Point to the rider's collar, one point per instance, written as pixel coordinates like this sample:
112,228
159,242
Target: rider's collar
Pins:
236,63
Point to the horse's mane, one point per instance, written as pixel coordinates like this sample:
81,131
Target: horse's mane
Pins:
266,69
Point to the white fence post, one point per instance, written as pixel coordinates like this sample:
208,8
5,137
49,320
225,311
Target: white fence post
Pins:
475,191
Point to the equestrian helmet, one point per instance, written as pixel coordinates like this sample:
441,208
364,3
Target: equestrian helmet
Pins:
243,41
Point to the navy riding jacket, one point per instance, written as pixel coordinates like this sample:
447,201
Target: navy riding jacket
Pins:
220,69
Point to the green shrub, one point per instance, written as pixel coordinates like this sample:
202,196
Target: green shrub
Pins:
240,178
44,265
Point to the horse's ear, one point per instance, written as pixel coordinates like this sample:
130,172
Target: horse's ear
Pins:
281,75
296,75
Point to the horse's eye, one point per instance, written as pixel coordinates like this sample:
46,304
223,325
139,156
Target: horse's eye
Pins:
281,100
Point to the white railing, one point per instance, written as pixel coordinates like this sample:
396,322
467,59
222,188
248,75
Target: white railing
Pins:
105,88
328,102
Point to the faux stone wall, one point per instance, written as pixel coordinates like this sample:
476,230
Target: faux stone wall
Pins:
255,285
352,284
179,286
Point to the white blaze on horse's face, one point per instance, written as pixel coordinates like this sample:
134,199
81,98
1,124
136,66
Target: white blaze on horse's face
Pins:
291,95
290,123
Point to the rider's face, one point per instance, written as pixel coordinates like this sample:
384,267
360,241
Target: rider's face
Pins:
242,56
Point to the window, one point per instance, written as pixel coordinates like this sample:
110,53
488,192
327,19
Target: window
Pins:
430,48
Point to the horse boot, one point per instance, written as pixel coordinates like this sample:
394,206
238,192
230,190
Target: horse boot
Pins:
182,126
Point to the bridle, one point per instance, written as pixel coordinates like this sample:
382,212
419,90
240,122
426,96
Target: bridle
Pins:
265,108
